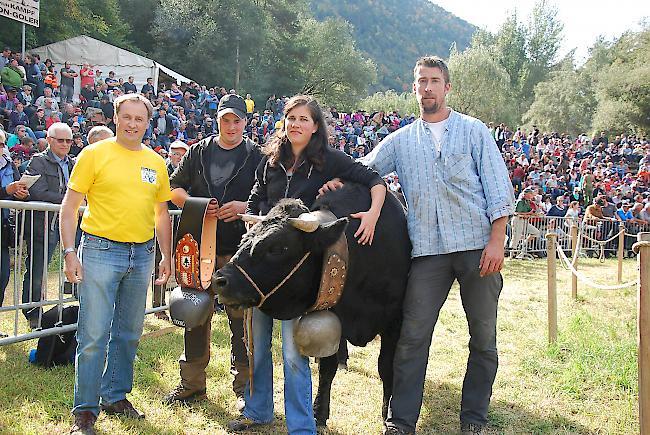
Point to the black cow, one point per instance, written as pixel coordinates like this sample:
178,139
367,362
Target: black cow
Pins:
372,298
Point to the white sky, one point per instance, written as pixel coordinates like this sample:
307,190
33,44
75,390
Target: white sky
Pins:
583,20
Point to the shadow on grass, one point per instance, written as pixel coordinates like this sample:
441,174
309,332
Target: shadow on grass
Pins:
36,400
46,395
441,408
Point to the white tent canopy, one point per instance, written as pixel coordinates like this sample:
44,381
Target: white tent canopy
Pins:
106,57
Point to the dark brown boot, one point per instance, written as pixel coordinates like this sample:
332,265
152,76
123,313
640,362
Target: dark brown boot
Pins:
122,407
180,394
84,423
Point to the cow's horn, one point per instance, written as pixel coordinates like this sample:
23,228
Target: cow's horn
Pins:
306,222
251,218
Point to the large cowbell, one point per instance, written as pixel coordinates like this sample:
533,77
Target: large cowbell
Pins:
192,303
318,334
189,308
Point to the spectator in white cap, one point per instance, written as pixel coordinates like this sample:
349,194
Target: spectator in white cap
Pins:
177,150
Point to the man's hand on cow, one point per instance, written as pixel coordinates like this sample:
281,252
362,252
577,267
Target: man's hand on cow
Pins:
230,211
366,232
213,209
72,268
164,270
491,258
331,185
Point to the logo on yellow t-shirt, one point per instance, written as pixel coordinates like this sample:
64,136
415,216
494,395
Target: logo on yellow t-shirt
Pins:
148,175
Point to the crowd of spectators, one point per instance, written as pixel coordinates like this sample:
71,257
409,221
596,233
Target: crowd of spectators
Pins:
594,180
561,173
34,95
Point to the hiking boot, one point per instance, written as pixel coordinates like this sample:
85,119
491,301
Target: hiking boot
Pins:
471,429
243,424
183,395
84,423
122,407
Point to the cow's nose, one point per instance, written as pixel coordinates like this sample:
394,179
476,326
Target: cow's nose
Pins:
220,281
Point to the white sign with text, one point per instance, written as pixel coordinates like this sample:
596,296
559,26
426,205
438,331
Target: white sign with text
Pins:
25,11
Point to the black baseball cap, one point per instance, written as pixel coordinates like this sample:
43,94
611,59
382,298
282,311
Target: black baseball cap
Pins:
232,103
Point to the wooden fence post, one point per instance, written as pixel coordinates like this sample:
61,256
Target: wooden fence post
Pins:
574,250
642,247
552,286
621,250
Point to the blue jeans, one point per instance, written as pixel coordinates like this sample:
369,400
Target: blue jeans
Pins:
297,378
112,298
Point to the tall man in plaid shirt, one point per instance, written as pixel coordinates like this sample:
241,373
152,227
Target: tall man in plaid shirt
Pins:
459,196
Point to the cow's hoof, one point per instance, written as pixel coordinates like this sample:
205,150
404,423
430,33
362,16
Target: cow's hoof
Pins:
342,367
321,423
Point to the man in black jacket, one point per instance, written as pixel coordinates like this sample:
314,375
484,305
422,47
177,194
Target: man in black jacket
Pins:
54,166
222,168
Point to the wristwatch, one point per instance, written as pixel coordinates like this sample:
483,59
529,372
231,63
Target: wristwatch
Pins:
66,251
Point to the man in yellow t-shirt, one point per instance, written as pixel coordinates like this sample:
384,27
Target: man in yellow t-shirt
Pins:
127,189
250,106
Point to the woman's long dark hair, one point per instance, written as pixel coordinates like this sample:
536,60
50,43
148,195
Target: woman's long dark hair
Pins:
279,147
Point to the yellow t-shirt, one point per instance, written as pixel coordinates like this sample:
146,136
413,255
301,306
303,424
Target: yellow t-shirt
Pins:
123,188
250,105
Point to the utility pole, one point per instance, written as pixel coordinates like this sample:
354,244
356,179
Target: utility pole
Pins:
237,67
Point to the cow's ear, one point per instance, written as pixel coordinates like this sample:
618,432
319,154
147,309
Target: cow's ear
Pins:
330,232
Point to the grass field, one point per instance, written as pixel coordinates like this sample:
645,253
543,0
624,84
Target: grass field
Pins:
586,384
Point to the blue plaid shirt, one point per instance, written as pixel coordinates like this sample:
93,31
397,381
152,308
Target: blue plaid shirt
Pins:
453,196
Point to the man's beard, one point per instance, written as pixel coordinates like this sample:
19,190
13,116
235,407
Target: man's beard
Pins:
430,108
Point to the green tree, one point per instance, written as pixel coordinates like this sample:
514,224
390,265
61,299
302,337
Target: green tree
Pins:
543,40
389,101
526,52
623,88
565,102
509,48
395,33
279,51
203,39
139,15
63,19
334,70
478,82
275,66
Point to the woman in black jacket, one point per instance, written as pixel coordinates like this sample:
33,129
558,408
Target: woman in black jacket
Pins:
298,162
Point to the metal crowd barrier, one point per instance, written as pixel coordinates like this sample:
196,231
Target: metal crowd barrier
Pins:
54,292
527,236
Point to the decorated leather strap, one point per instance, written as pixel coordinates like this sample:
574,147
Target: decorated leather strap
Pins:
335,268
196,245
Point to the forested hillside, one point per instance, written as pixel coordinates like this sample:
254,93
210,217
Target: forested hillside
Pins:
394,33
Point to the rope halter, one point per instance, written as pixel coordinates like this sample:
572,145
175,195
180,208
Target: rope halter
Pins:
264,297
